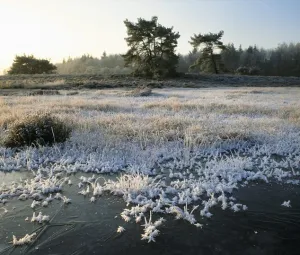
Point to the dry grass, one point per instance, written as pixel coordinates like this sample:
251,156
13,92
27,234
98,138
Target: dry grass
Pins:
291,114
194,116
174,104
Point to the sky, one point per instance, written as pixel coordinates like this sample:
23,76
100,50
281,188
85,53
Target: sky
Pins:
57,29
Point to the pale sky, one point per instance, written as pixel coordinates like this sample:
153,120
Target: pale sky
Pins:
56,29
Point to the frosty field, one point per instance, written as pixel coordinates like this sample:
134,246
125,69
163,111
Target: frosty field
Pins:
182,159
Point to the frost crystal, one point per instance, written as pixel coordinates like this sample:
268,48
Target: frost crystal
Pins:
35,204
27,239
120,229
286,203
40,218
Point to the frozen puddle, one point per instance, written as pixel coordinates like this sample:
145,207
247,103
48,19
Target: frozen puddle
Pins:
208,199
83,226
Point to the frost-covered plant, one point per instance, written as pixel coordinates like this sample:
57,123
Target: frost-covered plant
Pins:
40,218
125,217
96,187
150,229
120,229
286,203
183,214
45,203
27,239
129,184
37,129
49,198
35,204
84,192
66,200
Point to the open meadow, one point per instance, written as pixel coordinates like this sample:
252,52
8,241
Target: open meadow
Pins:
172,155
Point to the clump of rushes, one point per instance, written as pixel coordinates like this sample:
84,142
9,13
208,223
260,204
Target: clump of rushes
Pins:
37,129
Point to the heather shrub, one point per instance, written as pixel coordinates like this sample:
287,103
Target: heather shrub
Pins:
37,129
141,92
254,70
242,70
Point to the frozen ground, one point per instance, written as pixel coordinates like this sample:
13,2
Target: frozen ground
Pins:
179,152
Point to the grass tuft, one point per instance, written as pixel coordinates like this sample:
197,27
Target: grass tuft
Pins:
37,129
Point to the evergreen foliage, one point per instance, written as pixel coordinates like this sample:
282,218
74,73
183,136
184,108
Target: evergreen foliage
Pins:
86,64
208,61
151,48
30,65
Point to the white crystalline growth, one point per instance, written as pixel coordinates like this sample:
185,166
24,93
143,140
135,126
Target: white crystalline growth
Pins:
24,240
198,225
66,200
238,207
138,218
189,215
150,231
40,218
45,203
83,179
120,229
97,189
286,203
58,196
50,198
183,214
23,197
91,179
85,192
35,204
125,217
159,222
179,214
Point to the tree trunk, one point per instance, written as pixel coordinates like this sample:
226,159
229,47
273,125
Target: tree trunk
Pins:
214,63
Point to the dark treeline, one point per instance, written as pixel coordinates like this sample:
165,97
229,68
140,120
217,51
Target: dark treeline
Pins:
284,60
86,64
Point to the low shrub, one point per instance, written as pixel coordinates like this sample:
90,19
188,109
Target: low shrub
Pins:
254,70
244,70
141,92
37,129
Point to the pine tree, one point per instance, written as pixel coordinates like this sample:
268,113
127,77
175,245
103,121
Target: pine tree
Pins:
30,65
208,61
104,55
230,57
152,48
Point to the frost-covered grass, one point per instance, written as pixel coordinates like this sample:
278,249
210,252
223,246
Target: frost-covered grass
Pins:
179,152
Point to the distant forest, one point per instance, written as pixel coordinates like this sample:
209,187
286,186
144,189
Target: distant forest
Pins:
284,60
